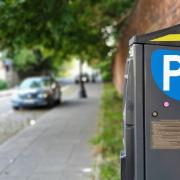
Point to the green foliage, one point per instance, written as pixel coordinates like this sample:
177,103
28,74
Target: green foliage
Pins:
24,58
109,170
3,84
28,62
106,76
65,28
105,67
109,135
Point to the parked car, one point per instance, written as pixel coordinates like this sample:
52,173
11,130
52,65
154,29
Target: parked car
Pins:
94,77
37,91
84,77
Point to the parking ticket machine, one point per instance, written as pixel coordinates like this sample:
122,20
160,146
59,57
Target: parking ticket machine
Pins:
151,113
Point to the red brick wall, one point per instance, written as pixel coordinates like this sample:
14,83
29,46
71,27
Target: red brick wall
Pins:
148,16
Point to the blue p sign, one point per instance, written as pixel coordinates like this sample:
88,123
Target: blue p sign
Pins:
165,67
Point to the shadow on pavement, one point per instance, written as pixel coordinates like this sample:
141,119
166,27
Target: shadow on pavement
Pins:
69,103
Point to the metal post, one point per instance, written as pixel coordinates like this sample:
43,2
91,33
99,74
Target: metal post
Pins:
82,90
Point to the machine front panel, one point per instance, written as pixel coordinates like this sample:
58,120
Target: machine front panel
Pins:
162,112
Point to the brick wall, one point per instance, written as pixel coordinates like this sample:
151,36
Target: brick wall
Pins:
147,16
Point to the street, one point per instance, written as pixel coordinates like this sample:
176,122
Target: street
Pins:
12,121
57,147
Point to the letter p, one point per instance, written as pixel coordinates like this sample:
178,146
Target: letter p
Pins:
168,73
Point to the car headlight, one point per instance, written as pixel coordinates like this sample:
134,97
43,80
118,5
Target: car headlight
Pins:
42,95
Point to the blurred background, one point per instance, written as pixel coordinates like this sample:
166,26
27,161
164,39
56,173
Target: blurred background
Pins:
50,37
51,50
70,43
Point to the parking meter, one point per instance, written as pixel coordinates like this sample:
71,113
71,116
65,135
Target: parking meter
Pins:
152,107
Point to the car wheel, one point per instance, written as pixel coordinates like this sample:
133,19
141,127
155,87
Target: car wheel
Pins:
51,103
58,100
16,108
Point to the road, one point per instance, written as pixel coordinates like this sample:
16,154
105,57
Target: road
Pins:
12,121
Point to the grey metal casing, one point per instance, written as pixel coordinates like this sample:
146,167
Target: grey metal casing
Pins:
142,97
160,164
138,112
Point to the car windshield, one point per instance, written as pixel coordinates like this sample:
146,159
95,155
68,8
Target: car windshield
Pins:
34,83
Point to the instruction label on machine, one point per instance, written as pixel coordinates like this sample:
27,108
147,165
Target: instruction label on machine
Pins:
165,134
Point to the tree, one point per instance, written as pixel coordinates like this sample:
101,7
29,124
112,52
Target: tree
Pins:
29,63
65,28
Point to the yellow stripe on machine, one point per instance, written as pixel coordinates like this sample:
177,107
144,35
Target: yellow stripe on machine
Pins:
168,38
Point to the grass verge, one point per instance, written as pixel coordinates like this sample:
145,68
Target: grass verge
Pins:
108,140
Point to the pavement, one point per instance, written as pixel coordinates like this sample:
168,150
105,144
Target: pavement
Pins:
7,92
57,146
12,121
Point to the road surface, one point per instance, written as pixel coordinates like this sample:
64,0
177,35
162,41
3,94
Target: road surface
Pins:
12,121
